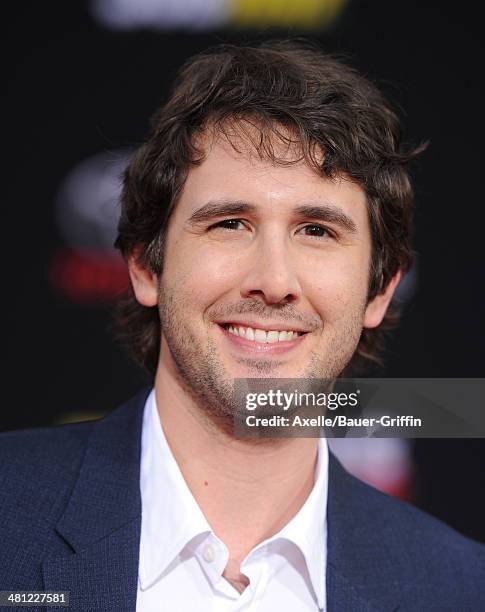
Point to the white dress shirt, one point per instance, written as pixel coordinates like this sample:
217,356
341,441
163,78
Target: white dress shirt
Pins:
182,560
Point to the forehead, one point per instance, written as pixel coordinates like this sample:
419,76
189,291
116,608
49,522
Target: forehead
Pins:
233,168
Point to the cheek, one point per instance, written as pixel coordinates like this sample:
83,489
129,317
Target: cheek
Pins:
336,289
200,276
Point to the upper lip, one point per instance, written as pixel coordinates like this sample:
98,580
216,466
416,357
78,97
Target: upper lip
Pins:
264,326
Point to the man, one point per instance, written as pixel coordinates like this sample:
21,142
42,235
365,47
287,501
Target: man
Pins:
265,223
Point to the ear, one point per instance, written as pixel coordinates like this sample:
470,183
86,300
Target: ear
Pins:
377,307
144,282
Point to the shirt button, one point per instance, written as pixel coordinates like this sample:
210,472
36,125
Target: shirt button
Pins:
209,553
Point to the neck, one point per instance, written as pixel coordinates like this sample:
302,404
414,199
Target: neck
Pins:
246,491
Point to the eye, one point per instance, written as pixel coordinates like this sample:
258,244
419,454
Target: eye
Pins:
317,231
229,224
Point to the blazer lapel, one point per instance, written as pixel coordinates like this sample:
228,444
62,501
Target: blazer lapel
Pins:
357,567
102,520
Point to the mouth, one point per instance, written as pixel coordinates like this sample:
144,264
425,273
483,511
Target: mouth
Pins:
267,341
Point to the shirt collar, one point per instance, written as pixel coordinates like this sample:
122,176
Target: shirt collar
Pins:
183,520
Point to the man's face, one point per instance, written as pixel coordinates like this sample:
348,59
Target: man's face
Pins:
266,273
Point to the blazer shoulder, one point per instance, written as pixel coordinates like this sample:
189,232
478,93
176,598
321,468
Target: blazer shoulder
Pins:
44,444
418,542
34,462
38,470
62,486
46,455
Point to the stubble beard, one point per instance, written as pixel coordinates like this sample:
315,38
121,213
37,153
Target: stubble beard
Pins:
202,374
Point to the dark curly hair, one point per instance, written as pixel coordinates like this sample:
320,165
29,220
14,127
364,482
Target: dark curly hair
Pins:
292,93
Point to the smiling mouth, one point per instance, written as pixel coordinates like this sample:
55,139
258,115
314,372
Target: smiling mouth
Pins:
261,335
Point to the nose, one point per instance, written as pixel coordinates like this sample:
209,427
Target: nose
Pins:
271,275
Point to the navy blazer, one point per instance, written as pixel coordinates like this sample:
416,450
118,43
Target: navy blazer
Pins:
70,518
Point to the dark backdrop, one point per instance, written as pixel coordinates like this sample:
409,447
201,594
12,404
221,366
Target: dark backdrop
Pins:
76,89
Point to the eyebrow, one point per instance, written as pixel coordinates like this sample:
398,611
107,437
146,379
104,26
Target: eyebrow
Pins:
219,208
328,213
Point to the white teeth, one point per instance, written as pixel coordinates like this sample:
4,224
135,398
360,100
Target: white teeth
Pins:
260,335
